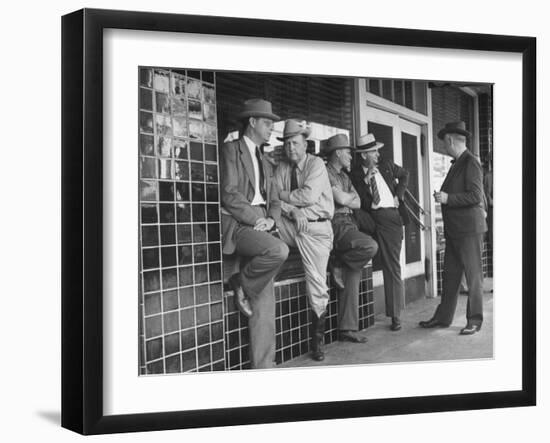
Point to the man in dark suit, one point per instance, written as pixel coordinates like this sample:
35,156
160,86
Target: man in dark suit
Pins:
250,211
461,199
381,190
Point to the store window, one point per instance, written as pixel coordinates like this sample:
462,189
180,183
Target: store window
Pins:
407,93
324,102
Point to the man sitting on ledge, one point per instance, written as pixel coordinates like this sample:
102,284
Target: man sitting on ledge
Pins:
308,207
251,209
353,248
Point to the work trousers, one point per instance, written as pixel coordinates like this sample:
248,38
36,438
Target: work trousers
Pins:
264,255
314,245
353,250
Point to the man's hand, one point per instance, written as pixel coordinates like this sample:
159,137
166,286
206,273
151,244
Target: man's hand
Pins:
441,197
264,224
300,220
396,201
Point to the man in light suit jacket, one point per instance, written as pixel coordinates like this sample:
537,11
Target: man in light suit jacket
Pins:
461,199
250,210
381,189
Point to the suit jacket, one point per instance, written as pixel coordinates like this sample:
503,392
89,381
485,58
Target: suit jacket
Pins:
463,214
397,179
237,191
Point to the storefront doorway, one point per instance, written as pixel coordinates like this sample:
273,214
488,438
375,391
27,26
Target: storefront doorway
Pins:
403,140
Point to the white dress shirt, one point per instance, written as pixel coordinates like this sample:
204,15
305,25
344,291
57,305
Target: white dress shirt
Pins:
258,199
386,197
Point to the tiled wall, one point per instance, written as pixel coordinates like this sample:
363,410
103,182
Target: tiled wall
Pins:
293,319
186,321
181,312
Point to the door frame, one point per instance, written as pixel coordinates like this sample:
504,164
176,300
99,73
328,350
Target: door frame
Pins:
399,125
394,114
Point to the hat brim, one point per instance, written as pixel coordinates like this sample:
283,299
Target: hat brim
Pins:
268,115
305,133
329,151
441,134
377,146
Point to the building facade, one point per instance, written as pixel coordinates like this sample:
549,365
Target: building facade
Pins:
187,317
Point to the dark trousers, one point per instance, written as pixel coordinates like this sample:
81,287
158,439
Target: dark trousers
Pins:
265,255
353,250
389,234
462,255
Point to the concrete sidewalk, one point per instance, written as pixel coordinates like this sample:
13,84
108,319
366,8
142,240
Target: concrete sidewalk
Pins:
413,343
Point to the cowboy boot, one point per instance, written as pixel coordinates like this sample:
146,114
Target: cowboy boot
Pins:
317,337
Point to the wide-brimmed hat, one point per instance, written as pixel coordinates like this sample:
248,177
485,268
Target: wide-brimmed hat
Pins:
367,143
331,144
257,107
295,127
454,128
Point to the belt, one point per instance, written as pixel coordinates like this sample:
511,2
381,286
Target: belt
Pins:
342,213
388,208
317,220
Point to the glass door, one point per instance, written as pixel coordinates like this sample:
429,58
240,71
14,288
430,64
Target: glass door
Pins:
402,145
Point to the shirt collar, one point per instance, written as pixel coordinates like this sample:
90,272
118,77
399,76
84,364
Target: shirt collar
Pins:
302,164
251,145
365,169
459,157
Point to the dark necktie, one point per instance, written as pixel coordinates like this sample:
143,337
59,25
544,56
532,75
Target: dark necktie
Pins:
262,179
374,190
294,178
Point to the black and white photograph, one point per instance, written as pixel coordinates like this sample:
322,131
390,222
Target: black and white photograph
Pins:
292,221
275,222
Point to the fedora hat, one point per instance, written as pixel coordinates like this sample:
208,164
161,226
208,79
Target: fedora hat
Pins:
257,107
367,143
331,144
295,127
454,128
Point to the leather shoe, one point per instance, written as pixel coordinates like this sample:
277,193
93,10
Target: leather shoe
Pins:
395,324
351,336
241,301
470,329
432,323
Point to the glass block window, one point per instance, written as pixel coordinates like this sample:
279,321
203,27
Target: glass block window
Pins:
181,318
407,93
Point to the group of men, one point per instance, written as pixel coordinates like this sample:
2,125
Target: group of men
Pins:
270,205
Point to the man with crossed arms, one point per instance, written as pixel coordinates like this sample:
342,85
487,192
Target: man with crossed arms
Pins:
308,207
353,248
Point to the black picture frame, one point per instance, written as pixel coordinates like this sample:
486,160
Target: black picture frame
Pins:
82,215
